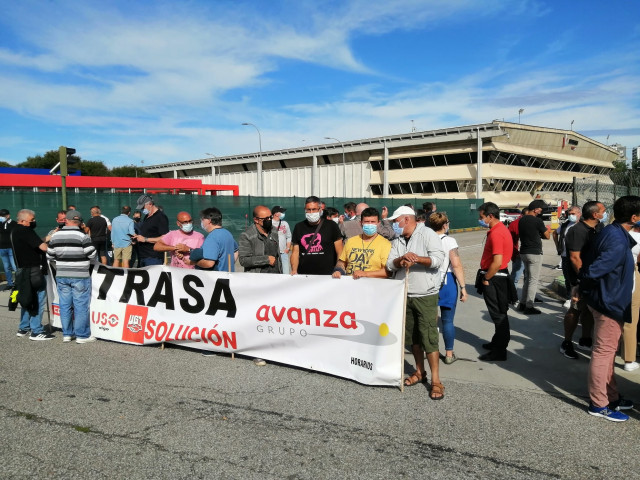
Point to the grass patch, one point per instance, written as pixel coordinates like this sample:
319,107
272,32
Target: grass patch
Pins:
82,429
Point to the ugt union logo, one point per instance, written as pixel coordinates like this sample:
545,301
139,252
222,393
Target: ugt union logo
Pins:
135,318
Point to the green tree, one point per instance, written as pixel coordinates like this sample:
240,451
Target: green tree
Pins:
48,160
129,171
92,168
620,165
5,164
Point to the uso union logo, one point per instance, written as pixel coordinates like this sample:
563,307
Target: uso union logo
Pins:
104,319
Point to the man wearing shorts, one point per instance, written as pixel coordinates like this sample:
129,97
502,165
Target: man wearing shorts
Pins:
97,228
121,232
418,253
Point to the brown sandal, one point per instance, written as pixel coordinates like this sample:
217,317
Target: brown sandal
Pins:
437,391
413,379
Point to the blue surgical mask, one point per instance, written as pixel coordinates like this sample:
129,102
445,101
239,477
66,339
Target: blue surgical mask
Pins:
396,228
187,227
605,217
2,219
369,229
281,216
145,212
202,225
573,218
483,224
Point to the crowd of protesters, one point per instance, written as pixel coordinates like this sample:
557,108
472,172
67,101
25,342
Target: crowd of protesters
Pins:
599,264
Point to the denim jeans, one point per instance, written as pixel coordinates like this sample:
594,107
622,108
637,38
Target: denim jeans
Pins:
9,264
76,293
286,265
448,329
148,261
517,267
27,322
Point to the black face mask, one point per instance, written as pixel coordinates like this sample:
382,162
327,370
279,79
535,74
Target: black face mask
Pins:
61,224
136,219
32,224
267,225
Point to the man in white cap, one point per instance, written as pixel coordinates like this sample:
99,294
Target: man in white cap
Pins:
284,236
418,254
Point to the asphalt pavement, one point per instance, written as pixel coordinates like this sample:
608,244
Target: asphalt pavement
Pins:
109,410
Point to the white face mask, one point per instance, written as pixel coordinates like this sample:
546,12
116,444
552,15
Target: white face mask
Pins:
187,227
336,219
202,225
281,216
313,217
573,218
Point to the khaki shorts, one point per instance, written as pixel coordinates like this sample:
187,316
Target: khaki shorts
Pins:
122,253
421,322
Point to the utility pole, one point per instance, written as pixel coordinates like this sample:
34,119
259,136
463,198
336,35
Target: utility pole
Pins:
64,153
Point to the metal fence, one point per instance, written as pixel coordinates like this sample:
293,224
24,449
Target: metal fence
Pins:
236,211
605,188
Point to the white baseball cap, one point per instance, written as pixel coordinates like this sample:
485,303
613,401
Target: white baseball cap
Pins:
403,210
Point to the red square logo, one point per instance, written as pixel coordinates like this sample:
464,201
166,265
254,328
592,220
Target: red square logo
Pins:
135,317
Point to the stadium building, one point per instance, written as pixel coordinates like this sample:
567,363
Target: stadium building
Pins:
507,163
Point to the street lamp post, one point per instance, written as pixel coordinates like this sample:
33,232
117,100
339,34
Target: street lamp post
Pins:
344,167
520,113
214,159
572,125
259,158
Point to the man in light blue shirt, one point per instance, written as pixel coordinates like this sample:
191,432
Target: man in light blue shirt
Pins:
219,251
121,229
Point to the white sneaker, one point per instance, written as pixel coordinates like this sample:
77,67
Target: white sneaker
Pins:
86,340
631,366
567,305
68,338
259,362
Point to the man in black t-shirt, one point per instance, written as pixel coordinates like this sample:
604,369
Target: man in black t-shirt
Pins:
316,244
6,253
577,242
29,251
152,228
532,230
96,227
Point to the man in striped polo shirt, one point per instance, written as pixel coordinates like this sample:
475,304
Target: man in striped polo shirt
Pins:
73,251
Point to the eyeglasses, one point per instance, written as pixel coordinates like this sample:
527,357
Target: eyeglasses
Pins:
270,217
185,222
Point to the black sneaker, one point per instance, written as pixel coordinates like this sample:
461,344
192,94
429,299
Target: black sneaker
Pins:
567,349
493,356
531,311
522,306
487,346
585,344
41,336
621,404
23,333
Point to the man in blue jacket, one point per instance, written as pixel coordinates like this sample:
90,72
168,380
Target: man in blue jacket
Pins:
606,278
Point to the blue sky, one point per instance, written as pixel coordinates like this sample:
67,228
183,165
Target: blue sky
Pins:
156,82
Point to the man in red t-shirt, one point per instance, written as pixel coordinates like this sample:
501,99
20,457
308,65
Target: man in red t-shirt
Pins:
517,267
495,284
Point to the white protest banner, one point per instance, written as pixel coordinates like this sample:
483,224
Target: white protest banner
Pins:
345,327
53,299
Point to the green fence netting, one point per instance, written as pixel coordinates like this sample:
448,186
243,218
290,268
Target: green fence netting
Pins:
236,211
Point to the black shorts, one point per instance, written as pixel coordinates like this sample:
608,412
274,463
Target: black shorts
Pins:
101,248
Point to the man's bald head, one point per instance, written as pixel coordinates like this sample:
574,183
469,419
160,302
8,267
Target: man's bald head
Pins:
361,208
